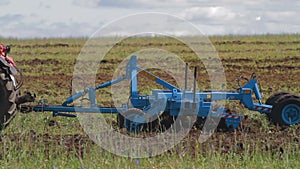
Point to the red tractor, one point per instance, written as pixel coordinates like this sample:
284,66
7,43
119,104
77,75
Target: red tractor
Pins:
9,88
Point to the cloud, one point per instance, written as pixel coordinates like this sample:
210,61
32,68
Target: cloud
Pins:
245,17
10,19
44,5
21,29
87,3
146,3
4,2
56,18
70,29
18,26
283,16
208,14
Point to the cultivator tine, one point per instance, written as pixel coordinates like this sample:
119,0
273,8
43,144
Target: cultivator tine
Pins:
186,76
195,84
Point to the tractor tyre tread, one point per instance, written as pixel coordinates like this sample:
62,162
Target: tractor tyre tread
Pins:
271,100
8,96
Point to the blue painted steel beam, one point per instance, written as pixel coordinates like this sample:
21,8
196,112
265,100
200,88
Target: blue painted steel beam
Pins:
134,79
78,109
91,91
158,80
109,83
256,92
72,98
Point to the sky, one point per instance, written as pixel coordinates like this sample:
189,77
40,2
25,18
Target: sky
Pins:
81,18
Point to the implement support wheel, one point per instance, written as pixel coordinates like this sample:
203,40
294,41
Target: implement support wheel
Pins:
272,99
286,110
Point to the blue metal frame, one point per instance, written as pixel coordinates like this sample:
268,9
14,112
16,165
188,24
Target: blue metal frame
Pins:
174,100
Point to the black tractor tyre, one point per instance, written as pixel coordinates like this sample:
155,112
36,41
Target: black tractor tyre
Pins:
284,107
8,95
271,100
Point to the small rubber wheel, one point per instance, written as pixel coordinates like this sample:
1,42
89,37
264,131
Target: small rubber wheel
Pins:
128,117
286,110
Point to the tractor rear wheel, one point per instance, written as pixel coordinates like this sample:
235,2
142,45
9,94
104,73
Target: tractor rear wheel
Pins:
7,100
286,110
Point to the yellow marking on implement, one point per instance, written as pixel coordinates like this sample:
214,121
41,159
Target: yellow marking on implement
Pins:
247,91
208,96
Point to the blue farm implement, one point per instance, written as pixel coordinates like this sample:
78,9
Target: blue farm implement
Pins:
282,108
173,102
